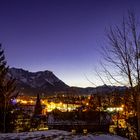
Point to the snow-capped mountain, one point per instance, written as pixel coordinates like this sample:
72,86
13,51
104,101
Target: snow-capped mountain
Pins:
42,81
31,83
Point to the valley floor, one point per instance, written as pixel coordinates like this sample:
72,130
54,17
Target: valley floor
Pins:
56,135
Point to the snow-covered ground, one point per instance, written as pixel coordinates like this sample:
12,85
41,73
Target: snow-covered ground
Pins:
55,135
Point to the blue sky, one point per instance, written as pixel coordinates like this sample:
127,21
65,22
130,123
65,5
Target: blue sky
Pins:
63,36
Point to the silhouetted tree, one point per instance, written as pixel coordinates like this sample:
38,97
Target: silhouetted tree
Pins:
38,107
123,54
7,93
36,118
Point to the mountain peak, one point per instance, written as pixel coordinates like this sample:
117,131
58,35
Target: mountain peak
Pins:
41,81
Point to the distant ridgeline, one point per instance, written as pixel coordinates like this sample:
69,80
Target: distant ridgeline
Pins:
46,83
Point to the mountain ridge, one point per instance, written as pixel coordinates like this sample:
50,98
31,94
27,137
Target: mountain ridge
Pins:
41,81
45,82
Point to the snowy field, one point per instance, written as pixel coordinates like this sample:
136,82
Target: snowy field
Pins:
55,135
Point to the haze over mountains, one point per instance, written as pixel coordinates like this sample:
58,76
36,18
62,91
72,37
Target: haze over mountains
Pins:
45,82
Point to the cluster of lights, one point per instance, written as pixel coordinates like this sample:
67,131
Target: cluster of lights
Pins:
25,101
49,106
61,106
112,109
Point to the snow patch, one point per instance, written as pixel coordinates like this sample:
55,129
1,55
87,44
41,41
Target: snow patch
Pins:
56,135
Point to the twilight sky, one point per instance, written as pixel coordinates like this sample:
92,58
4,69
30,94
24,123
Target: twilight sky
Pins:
63,36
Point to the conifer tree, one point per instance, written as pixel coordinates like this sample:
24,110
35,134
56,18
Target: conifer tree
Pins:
7,92
36,118
38,107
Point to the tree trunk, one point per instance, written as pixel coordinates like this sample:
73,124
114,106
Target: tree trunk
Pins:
138,115
4,116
